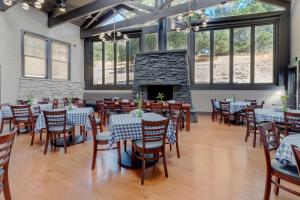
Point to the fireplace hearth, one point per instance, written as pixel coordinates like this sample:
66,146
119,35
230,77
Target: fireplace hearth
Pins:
166,72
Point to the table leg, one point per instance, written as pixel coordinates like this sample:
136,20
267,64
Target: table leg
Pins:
188,119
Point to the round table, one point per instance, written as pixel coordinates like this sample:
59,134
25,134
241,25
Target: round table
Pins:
284,153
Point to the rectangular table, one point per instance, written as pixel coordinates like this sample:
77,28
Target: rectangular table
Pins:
78,116
129,127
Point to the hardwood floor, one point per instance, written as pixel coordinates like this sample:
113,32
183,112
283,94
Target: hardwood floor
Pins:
215,164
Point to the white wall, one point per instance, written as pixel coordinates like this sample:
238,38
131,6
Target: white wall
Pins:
12,22
295,29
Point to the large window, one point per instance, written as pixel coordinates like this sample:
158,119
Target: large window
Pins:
113,63
264,48
151,42
241,57
202,57
221,56
35,60
176,40
44,57
60,60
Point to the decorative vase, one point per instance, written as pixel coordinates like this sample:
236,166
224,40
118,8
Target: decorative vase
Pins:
69,107
139,113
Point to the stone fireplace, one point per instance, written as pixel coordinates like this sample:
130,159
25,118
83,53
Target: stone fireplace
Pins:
163,71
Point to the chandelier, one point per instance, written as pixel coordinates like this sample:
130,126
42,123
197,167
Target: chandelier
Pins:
25,5
184,22
113,35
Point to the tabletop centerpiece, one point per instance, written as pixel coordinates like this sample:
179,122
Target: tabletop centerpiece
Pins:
284,100
69,99
139,102
161,97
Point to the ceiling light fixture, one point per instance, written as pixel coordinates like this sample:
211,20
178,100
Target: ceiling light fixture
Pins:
25,4
113,35
184,22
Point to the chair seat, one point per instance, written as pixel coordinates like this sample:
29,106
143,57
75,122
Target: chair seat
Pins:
148,145
69,128
289,171
103,136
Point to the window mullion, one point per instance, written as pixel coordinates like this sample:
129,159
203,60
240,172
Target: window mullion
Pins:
127,62
231,56
211,56
49,59
115,63
252,55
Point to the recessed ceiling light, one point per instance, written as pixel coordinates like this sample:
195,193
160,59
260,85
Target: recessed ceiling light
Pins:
37,5
62,9
25,6
7,2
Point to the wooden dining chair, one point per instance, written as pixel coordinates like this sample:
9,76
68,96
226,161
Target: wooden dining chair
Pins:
215,111
225,112
296,151
65,101
152,142
291,123
6,143
275,171
101,139
55,104
251,101
22,116
175,116
57,127
5,120
101,111
262,104
156,107
252,126
176,108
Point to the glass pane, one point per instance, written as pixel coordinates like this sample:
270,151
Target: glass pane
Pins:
109,63
97,63
111,20
60,52
60,70
177,40
221,56
34,46
35,67
240,7
242,52
202,57
121,62
151,42
126,13
147,2
264,39
177,2
133,50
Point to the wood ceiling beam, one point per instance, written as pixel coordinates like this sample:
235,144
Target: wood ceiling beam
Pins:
166,3
77,13
167,12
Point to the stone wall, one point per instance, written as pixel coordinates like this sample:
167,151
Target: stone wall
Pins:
163,68
39,88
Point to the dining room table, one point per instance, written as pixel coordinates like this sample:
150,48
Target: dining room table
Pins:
284,154
75,116
129,127
271,115
235,106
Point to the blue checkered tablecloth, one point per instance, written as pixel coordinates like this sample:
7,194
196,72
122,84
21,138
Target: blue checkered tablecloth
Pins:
284,153
270,114
129,127
235,106
78,116
6,110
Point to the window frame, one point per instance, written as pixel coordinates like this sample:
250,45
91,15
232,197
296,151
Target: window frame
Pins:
49,42
90,72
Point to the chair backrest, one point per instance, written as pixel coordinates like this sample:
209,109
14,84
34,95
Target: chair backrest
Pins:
65,100
128,109
270,140
110,104
262,104
224,106
296,151
124,103
154,131
175,116
55,120
55,103
93,126
21,113
250,114
156,107
252,101
175,106
213,104
254,106
291,122
144,105
6,143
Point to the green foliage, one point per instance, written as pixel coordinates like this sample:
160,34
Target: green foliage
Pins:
160,96
109,51
177,40
151,41
97,51
264,38
242,40
133,48
221,46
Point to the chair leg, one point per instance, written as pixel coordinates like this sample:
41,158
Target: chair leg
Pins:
41,135
267,187
247,132
177,148
10,125
143,170
125,145
6,189
65,143
213,116
119,153
254,138
94,156
170,147
32,138
165,163
46,144
1,128
276,188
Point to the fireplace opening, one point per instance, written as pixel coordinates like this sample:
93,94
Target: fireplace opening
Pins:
153,90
